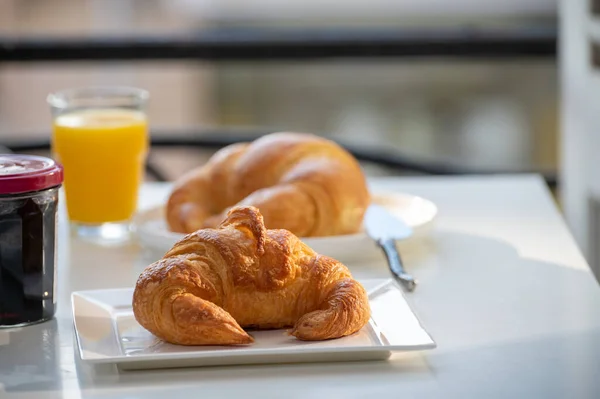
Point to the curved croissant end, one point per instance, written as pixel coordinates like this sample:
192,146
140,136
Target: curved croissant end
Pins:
188,216
344,305
168,302
195,194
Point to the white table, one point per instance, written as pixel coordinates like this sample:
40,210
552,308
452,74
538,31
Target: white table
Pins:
504,291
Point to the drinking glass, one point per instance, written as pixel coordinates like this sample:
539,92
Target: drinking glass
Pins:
100,136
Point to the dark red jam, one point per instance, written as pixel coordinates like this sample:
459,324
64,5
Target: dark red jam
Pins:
29,190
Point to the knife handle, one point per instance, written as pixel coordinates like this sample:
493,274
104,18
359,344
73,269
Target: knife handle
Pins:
395,263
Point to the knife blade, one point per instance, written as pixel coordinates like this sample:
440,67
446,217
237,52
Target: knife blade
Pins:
385,228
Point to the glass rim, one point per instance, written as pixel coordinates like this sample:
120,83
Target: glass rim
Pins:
62,98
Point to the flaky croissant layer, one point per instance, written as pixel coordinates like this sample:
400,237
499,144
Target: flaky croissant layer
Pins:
215,282
300,182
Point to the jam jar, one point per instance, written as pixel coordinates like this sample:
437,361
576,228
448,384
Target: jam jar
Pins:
29,190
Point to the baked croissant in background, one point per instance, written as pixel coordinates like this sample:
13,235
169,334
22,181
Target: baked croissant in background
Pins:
299,182
215,282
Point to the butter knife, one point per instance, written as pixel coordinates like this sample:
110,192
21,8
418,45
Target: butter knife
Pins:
385,228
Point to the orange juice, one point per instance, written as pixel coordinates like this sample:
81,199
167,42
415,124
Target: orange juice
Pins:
103,153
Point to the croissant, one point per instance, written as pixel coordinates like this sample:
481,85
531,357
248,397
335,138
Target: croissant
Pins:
299,182
215,282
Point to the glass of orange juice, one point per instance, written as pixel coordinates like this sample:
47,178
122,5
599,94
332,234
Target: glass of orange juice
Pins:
100,136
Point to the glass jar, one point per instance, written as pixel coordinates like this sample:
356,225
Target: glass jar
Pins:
29,188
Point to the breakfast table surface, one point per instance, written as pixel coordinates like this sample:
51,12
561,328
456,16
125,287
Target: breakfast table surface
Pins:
503,290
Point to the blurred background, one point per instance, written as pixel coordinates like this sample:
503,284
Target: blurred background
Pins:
463,108
411,87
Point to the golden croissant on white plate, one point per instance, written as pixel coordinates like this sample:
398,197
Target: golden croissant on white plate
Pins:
215,282
300,182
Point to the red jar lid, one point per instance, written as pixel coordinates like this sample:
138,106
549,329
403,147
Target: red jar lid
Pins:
25,173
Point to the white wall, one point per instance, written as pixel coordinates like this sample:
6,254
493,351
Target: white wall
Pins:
580,126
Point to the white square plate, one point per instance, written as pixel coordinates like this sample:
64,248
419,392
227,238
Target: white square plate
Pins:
107,332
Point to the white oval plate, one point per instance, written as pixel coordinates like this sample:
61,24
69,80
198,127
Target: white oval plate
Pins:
152,233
